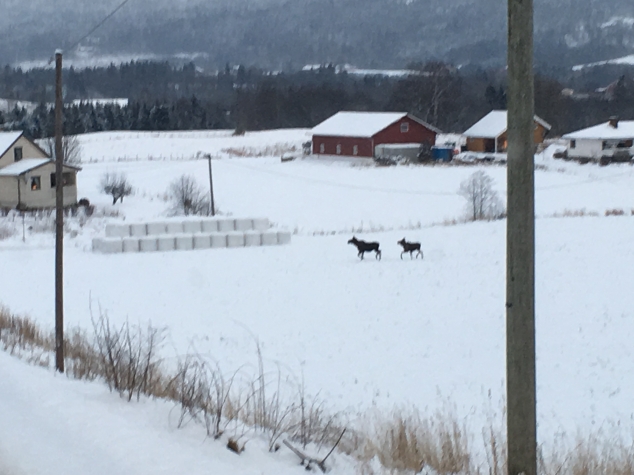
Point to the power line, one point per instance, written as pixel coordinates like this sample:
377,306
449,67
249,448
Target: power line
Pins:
96,27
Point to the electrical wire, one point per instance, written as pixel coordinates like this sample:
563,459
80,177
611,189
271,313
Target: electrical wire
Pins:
95,28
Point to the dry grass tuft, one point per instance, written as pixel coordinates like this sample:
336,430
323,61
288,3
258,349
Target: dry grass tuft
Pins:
614,212
409,442
575,213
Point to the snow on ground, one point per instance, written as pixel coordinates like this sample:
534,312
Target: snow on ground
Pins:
185,145
365,334
51,425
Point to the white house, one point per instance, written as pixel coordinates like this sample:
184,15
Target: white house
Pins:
27,175
613,139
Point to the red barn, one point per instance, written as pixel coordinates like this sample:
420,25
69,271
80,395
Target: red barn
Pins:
356,134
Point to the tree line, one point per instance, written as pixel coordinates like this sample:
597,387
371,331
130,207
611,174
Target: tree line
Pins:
161,97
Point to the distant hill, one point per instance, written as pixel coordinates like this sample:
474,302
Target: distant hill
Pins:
286,34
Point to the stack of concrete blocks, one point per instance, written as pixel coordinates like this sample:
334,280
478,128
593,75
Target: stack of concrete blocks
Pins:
188,234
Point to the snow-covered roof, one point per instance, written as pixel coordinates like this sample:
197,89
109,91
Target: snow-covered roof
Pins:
360,124
23,166
494,124
625,130
7,139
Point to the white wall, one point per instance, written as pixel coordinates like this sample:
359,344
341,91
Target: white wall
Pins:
586,149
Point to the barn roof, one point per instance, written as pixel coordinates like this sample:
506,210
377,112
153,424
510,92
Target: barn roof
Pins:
7,139
494,124
23,166
624,130
361,124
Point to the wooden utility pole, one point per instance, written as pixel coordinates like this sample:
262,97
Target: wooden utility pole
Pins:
212,206
520,242
59,217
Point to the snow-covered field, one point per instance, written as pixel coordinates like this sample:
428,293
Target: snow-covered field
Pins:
364,334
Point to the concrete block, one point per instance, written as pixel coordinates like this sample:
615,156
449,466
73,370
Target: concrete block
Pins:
166,243
269,238
235,239
111,246
148,244
184,242
174,227
192,227
284,237
261,224
226,225
252,238
218,240
156,229
117,230
202,241
138,229
210,226
130,244
243,224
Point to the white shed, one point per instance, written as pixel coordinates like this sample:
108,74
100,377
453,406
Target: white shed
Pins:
614,137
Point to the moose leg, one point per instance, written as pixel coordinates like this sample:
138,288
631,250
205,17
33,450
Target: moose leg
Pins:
378,255
361,254
402,254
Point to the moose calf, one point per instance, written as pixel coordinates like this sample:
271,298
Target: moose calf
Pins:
410,247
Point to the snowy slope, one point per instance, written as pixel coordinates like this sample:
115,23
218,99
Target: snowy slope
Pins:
50,425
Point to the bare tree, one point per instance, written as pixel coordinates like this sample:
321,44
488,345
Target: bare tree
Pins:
187,197
483,201
71,148
115,185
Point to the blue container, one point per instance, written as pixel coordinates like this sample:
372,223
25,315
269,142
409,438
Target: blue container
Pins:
442,154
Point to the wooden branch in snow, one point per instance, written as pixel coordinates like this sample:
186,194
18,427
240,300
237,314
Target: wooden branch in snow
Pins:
311,460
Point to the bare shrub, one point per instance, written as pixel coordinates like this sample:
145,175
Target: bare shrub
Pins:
187,197
483,202
128,356
115,185
71,149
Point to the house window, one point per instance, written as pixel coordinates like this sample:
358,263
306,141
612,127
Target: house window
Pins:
355,150
69,179
322,148
36,183
573,144
17,154
404,127
338,149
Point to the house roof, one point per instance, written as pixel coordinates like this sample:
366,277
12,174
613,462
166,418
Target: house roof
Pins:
7,139
23,166
494,124
625,130
361,124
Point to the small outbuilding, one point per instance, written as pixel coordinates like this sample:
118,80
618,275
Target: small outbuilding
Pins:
27,175
489,133
358,134
613,139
